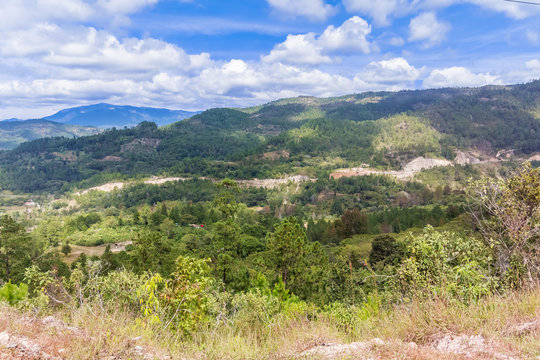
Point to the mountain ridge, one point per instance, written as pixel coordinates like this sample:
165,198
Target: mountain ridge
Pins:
83,121
105,115
384,130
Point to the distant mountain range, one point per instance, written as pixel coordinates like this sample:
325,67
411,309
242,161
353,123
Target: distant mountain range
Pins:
83,121
108,116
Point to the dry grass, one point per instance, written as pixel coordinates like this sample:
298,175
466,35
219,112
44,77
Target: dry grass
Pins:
493,318
116,335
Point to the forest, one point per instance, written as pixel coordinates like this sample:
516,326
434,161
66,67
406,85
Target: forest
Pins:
383,130
202,249
203,253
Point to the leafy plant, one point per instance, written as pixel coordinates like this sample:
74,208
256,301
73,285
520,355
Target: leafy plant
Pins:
447,265
12,294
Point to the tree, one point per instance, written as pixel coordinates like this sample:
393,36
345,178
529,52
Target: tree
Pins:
225,201
287,245
136,217
152,252
15,249
167,226
186,292
299,263
174,214
66,249
50,230
507,214
385,250
353,222
302,265
181,301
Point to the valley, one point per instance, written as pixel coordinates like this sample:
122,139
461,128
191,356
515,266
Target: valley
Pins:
302,228
269,180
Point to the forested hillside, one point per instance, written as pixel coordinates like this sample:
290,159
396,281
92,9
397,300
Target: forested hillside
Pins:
382,130
12,133
407,222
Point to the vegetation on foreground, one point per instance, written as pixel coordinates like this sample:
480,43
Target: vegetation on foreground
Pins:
216,280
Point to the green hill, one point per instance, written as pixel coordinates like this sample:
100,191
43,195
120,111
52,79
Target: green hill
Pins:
12,133
382,129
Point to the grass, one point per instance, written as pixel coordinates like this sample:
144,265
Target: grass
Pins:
77,250
116,333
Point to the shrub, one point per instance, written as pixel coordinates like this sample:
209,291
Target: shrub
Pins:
12,294
508,216
349,318
445,264
181,301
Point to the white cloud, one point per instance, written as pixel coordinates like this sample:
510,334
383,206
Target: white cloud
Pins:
87,48
350,37
310,49
312,9
425,27
17,14
382,11
513,10
20,13
459,77
396,71
124,6
533,65
298,49
396,41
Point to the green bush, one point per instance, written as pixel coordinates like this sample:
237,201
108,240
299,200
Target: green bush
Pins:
12,294
447,265
348,318
180,302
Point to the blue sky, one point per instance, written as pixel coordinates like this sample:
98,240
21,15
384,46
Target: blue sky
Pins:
198,54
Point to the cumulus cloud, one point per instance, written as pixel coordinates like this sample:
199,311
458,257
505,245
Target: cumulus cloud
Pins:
395,72
457,76
425,27
298,49
18,14
350,37
311,49
312,9
88,48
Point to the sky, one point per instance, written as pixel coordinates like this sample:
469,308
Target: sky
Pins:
199,54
